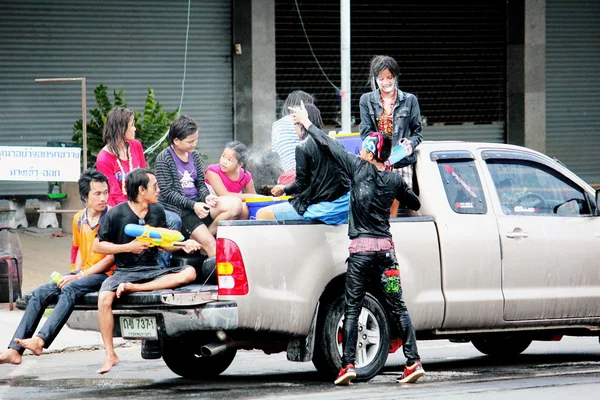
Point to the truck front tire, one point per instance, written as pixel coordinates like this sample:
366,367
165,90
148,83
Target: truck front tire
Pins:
375,346
183,358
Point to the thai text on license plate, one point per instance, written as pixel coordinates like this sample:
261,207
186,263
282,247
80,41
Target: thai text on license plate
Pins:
138,327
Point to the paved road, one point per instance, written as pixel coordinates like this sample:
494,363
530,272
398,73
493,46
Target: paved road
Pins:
546,371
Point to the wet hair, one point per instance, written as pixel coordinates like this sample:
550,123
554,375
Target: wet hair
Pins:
115,128
379,64
85,182
240,149
386,149
314,115
136,178
181,128
294,99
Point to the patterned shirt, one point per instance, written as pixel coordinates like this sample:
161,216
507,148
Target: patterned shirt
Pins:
385,122
368,244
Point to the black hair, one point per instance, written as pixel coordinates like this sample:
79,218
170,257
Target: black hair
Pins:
240,149
386,147
181,128
85,182
314,116
294,99
136,178
115,128
379,64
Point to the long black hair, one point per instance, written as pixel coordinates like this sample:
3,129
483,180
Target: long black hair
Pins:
379,64
294,99
115,128
314,116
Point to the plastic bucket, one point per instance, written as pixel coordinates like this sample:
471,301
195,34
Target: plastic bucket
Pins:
256,203
351,141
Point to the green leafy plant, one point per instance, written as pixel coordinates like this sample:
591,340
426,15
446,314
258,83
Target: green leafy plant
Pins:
151,124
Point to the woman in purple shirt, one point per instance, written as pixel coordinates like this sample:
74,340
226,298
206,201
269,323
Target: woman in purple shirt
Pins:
180,178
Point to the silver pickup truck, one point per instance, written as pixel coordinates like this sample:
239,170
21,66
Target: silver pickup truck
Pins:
505,251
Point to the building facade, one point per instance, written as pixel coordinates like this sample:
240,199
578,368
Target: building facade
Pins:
522,72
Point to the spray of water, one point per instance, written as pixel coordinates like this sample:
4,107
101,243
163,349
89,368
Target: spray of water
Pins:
265,167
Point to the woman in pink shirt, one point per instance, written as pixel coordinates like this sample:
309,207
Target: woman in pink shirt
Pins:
121,153
229,178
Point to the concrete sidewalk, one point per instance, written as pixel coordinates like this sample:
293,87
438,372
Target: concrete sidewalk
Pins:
41,256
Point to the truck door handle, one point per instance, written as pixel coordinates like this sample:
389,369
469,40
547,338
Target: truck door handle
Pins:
517,235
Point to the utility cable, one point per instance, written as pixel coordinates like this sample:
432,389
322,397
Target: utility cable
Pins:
310,47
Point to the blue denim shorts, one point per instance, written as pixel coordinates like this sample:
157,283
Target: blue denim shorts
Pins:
331,212
285,211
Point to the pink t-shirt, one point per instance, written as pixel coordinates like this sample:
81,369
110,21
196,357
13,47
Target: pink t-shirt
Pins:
107,164
231,185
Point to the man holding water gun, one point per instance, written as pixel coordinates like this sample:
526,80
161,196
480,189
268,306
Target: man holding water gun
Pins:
137,267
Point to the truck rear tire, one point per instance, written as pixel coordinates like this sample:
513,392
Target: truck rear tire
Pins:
374,339
183,358
502,347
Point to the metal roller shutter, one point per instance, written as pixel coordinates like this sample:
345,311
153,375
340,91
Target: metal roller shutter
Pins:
573,84
452,55
126,45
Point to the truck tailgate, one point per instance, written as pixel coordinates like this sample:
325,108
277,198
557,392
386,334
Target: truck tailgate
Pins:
185,296
169,313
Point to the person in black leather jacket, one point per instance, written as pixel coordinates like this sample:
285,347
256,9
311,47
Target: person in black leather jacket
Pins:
372,257
321,188
389,110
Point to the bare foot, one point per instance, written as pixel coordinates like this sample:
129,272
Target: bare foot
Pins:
109,362
35,344
124,288
11,356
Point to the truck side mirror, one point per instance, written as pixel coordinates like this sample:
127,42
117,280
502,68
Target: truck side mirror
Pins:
598,202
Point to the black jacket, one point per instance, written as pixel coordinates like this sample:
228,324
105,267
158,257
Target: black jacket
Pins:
373,191
406,120
318,177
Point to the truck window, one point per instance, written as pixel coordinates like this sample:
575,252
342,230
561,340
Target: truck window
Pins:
529,188
462,186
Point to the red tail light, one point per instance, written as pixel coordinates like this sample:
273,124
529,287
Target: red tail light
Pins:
231,272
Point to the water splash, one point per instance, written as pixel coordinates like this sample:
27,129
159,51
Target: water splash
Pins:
265,167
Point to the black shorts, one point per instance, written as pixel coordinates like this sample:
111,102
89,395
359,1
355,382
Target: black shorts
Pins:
137,274
190,221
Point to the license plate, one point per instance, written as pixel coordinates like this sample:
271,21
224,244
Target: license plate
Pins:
138,327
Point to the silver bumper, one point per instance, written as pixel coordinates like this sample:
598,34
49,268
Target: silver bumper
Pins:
172,322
